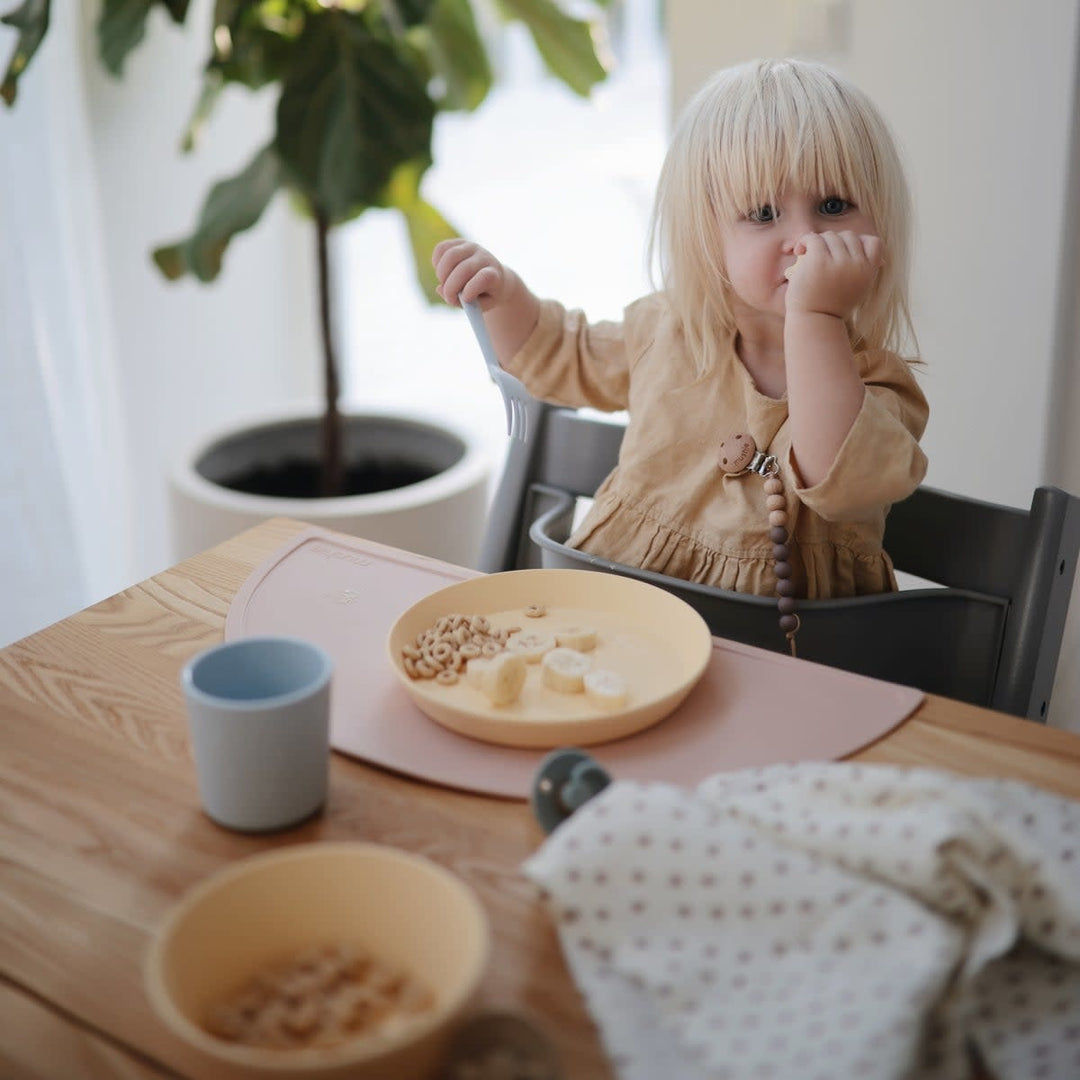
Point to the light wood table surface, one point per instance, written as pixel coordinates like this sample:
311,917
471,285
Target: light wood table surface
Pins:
101,831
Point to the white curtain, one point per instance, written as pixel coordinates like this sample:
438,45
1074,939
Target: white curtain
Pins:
65,524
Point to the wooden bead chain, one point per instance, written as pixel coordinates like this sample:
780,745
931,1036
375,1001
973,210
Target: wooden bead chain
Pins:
781,553
738,455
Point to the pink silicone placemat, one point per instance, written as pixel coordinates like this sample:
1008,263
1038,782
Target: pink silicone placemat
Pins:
752,707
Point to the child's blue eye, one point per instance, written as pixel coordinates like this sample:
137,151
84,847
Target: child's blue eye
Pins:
834,205
762,213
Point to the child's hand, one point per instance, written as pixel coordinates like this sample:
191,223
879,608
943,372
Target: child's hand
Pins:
467,270
834,272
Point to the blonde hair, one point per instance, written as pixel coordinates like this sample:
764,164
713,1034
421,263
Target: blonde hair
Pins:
747,133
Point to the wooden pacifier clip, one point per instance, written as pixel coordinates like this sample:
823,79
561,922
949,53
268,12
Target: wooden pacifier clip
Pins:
738,455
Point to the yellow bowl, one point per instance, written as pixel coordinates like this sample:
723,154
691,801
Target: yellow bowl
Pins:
655,640
401,908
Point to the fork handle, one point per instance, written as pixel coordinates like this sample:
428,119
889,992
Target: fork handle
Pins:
476,319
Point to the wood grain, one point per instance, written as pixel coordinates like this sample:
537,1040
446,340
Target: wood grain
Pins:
977,742
100,830
51,1045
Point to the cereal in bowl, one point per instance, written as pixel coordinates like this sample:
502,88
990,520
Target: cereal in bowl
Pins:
321,997
450,644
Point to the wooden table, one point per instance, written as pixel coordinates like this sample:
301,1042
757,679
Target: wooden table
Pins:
101,832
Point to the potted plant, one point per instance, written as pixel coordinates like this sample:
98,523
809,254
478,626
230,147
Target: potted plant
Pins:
359,85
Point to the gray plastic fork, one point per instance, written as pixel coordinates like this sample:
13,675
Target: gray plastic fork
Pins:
515,397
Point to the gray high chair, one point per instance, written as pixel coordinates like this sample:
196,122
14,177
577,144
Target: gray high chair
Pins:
988,631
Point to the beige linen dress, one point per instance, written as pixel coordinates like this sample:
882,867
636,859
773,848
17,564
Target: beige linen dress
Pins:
667,507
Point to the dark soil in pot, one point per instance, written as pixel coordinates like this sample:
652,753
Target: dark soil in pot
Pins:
300,479
280,459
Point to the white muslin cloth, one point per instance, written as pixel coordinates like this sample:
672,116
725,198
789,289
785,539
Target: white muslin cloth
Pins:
818,922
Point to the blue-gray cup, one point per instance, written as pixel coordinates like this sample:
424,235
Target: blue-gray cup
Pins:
259,716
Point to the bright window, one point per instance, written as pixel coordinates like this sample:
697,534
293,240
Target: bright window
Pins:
558,187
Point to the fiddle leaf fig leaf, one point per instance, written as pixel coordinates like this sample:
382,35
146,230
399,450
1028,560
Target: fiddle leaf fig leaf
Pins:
254,42
570,48
122,26
353,108
31,19
413,12
213,84
232,206
457,56
425,224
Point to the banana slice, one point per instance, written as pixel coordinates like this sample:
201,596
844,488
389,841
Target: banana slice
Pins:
502,678
531,646
581,638
564,670
605,689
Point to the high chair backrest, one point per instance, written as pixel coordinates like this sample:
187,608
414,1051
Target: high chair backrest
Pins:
987,631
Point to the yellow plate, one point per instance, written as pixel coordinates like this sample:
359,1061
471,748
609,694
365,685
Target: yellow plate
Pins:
656,641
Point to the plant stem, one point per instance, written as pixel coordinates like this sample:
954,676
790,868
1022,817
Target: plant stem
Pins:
332,471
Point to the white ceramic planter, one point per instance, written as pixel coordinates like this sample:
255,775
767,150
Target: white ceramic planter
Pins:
442,516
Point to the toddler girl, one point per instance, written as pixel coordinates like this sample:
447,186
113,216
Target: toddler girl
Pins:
782,225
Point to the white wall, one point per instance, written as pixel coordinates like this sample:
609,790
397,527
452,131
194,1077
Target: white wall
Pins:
191,357
981,95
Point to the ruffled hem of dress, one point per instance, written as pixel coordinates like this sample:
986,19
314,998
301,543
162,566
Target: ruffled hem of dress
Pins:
623,532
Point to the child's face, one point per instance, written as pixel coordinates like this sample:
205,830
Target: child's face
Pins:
760,246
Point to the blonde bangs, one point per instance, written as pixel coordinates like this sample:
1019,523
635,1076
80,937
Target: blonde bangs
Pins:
785,148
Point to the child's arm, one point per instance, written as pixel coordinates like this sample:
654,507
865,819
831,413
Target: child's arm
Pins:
468,271
825,392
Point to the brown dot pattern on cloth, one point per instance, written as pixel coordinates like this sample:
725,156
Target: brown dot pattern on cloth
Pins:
832,920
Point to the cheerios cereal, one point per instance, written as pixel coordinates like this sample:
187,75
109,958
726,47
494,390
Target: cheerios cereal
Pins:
446,646
321,997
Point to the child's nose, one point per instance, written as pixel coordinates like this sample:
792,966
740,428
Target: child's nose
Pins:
798,225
